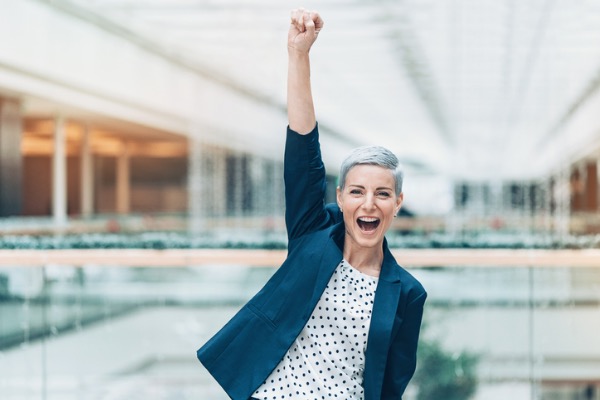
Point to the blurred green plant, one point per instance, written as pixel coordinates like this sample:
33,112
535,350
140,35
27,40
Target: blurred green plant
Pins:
444,375
241,240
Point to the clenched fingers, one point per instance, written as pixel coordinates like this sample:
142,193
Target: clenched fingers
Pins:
303,20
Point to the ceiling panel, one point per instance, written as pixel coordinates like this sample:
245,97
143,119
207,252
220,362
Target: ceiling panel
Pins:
466,88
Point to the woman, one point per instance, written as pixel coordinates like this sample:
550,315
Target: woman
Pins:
340,318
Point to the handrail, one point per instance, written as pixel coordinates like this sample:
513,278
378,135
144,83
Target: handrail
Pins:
412,258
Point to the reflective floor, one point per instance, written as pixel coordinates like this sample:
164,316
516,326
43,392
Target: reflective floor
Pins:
128,333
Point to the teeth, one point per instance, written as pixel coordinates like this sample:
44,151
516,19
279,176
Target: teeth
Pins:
368,219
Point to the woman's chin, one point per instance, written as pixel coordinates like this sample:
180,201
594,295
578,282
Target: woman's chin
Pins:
367,239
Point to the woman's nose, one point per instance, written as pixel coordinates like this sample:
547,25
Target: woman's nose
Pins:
369,202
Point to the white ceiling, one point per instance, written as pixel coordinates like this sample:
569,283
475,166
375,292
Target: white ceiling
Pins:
472,89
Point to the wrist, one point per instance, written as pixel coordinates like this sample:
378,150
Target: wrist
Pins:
297,54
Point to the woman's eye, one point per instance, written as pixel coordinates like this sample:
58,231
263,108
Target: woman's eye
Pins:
354,191
383,194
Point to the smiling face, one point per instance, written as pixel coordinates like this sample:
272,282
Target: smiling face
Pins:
369,203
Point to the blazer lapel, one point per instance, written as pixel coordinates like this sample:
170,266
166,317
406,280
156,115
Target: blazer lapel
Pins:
382,323
331,257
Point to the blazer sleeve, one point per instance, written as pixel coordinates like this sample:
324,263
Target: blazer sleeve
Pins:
305,184
402,357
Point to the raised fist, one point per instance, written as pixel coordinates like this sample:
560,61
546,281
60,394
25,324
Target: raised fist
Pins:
304,29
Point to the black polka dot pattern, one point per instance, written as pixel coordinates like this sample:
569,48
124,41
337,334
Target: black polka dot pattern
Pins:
327,359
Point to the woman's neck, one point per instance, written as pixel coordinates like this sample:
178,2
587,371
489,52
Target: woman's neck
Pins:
366,260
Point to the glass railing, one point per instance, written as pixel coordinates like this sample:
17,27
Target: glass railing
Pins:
98,331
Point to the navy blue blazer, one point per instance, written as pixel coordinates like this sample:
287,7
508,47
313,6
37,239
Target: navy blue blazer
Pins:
245,351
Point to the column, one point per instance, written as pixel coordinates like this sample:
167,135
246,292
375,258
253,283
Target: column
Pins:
258,186
597,184
123,192
547,186
87,174
577,179
238,186
195,186
11,159
278,190
219,183
562,199
59,173
591,186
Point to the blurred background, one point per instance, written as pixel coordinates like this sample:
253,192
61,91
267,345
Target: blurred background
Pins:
141,191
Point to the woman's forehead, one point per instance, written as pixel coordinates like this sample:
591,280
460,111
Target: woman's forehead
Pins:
369,174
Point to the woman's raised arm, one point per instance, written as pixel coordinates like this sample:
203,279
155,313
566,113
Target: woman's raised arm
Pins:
304,30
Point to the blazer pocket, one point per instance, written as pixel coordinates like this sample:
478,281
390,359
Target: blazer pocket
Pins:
264,318
279,298
223,340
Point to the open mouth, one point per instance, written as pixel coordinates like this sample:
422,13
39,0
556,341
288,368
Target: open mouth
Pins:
367,224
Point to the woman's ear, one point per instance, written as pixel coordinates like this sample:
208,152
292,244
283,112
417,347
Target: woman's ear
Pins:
399,201
338,196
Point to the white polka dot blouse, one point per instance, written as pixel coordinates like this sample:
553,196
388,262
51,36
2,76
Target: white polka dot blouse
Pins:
327,359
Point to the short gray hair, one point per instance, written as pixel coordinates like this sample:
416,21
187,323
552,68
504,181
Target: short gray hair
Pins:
372,155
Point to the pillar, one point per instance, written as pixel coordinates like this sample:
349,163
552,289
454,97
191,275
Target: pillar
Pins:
11,159
59,173
562,200
123,182
591,186
195,186
238,185
278,190
87,175
598,184
577,182
219,182
258,186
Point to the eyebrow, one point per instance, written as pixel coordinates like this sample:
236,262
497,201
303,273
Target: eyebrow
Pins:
378,188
